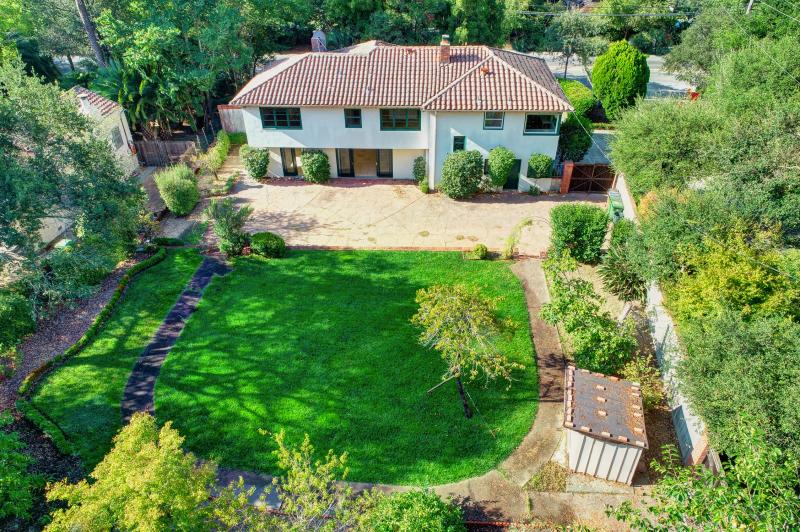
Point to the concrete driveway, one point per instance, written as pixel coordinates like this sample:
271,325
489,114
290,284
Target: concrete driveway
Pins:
386,214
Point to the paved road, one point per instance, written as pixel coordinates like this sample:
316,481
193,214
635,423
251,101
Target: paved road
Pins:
660,80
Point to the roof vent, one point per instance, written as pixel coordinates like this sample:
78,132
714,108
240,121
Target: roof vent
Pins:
484,70
444,49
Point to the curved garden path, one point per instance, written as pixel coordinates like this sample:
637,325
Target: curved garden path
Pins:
138,394
498,494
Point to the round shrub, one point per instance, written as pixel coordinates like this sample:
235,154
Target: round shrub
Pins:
580,229
420,172
540,166
619,77
479,252
501,161
316,167
576,137
256,161
412,510
267,245
177,186
16,318
424,187
461,173
621,277
579,95
621,232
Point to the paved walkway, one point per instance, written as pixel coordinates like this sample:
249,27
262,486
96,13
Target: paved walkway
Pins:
138,394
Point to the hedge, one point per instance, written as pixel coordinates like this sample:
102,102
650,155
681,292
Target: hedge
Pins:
576,137
96,325
177,186
267,245
16,316
256,161
579,95
53,431
237,139
580,229
316,166
501,161
540,166
420,172
461,173
619,77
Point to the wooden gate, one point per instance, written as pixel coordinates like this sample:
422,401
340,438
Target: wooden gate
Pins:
163,152
591,178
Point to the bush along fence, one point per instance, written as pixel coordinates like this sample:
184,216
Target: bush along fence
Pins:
96,325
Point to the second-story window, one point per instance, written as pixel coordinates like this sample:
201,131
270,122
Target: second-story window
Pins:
400,119
352,118
493,119
281,118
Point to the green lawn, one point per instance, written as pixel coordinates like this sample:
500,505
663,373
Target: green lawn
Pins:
320,343
83,396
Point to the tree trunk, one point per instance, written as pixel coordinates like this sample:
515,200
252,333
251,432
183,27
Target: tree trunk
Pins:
71,64
91,32
467,409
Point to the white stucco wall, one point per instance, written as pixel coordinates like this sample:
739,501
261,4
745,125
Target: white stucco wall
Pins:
470,125
324,128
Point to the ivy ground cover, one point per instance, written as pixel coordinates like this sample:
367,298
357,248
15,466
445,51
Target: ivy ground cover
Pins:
320,343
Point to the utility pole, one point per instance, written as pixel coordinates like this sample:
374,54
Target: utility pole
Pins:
91,32
749,6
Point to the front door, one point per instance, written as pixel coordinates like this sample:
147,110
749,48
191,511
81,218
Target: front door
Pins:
512,183
289,160
345,162
385,163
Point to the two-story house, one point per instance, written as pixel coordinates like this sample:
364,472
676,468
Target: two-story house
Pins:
374,107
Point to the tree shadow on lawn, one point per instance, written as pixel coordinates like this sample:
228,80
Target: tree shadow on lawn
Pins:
321,343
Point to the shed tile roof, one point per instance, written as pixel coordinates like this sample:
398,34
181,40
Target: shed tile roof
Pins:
376,74
604,407
103,105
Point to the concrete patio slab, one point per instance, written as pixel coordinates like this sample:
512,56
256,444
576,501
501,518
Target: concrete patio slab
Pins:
387,214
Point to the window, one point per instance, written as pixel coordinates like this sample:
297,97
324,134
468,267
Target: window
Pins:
541,124
493,120
400,119
280,118
352,118
116,138
459,143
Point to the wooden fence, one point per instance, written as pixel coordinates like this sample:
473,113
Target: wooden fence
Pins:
164,152
231,118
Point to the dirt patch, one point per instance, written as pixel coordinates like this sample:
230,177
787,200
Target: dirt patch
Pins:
551,477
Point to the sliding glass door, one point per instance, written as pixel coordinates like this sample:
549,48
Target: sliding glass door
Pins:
345,162
384,163
289,160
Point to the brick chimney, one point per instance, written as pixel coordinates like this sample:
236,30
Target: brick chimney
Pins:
444,49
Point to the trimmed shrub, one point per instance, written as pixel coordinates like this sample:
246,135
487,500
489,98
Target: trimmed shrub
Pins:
580,229
619,77
267,245
229,225
540,166
479,252
16,318
461,174
501,161
424,187
256,161
19,485
576,137
177,186
412,510
167,241
579,95
316,166
420,172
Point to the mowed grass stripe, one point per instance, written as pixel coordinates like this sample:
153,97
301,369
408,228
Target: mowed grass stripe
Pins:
320,343
83,396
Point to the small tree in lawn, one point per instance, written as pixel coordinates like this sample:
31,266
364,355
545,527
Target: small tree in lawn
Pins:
462,326
229,225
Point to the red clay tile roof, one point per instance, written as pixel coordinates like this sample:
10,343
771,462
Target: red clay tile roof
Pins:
103,105
375,74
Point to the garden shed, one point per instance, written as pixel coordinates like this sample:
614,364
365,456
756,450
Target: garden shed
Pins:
605,421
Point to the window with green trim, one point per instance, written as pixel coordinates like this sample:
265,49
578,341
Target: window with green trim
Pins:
352,118
537,124
280,118
400,119
493,119
459,143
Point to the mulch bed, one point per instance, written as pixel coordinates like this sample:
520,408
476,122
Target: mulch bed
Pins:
59,330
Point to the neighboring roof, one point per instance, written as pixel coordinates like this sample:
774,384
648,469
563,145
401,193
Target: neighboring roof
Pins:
378,74
604,407
103,105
